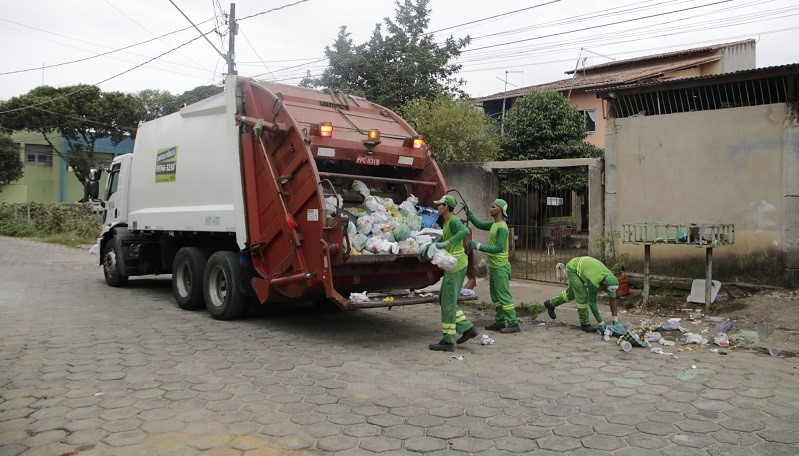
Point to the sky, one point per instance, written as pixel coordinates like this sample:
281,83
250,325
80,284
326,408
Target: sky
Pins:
514,43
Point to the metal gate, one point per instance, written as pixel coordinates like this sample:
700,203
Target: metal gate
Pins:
549,217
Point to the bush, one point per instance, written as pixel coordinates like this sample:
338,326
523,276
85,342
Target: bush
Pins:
63,223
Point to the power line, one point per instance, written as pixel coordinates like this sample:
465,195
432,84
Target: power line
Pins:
107,79
492,17
198,29
594,27
273,9
93,56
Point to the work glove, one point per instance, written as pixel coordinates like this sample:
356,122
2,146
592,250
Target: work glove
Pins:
602,327
423,253
439,245
465,206
474,245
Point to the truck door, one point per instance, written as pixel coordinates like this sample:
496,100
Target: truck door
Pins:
116,191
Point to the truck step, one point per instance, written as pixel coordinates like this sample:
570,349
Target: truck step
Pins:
402,301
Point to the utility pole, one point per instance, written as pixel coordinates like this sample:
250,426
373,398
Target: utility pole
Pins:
234,29
505,97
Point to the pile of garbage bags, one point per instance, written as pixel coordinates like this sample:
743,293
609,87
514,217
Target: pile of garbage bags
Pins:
382,226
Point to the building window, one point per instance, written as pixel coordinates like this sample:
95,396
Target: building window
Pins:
38,155
590,119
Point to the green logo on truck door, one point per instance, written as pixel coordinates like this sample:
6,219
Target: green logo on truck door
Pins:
166,163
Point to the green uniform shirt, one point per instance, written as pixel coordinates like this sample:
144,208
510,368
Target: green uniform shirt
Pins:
497,247
591,269
454,232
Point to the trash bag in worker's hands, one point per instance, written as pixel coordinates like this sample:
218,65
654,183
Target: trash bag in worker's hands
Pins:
441,258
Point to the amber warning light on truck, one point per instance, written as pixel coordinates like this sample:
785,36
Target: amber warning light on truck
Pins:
414,141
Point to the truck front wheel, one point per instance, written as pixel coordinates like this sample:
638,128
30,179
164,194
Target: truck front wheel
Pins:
111,257
187,277
222,287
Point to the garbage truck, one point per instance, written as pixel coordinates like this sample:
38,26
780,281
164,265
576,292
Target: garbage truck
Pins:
256,195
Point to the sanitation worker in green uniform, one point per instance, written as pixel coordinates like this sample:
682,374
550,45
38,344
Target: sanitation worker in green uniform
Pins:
453,320
586,276
498,265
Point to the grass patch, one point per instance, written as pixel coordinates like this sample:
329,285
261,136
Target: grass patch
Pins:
529,310
70,224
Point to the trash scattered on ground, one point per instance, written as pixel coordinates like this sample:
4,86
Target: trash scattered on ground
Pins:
486,340
388,299
744,339
774,351
725,326
625,345
659,351
667,343
458,357
716,350
468,292
692,338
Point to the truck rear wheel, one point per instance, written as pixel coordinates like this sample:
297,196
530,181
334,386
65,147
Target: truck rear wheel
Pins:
222,287
111,272
187,277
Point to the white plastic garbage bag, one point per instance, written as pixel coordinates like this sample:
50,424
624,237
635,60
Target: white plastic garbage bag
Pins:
359,297
361,188
374,204
441,258
365,224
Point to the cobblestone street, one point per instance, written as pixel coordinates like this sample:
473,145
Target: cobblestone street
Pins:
86,369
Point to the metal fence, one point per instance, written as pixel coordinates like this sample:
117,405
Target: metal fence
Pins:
548,223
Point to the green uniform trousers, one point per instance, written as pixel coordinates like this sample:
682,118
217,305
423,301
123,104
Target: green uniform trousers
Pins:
499,286
584,298
453,320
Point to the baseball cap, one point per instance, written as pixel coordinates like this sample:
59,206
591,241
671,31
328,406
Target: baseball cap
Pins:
612,285
502,204
449,200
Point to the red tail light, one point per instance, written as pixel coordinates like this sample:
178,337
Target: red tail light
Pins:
326,129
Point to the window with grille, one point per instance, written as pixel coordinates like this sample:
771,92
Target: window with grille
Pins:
590,119
38,155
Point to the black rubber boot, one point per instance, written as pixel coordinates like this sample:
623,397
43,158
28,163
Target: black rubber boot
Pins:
469,334
510,329
550,309
587,328
496,326
443,347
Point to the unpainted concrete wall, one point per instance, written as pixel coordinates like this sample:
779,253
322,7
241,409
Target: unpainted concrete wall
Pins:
479,188
733,166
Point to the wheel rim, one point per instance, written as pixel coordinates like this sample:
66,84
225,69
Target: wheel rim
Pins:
217,285
111,262
183,280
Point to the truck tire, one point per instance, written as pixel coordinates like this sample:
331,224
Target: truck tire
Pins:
222,287
188,269
111,272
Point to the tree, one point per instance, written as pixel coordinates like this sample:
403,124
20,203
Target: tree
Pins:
454,129
10,163
392,69
155,103
81,114
543,125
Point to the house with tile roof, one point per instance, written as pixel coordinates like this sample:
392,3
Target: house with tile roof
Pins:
580,88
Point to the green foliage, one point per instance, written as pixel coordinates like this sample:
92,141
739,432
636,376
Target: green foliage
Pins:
392,69
543,125
531,310
82,114
64,223
454,129
11,165
607,244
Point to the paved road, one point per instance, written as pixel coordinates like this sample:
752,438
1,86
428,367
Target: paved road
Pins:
87,369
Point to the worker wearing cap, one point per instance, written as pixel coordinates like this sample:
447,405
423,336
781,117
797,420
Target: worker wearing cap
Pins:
590,272
498,265
453,320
